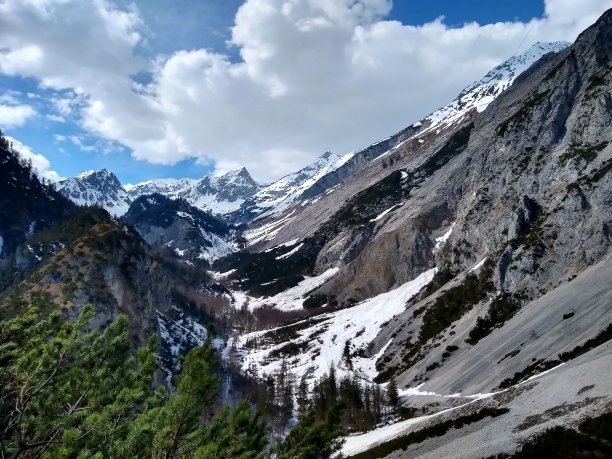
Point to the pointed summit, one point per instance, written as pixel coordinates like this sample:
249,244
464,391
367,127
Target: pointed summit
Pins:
96,187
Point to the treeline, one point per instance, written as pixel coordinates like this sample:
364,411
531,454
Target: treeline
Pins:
358,404
6,146
67,391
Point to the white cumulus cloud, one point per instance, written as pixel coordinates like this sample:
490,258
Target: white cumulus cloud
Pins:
15,115
313,75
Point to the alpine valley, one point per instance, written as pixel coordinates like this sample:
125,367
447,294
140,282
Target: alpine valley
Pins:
446,289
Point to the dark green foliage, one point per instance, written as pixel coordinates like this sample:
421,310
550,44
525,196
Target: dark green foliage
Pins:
290,349
73,391
26,203
591,440
522,114
501,309
592,343
543,365
429,432
587,153
68,392
363,403
239,435
599,427
440,279
537,367
319,299
392,393
312,439
262,274
455,302
563,443
602,171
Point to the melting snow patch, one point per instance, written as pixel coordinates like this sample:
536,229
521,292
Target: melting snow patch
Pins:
293,298
442,239
358,326
385,213
288,254
290,243
478,265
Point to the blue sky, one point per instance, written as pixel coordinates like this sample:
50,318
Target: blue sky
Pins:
64,128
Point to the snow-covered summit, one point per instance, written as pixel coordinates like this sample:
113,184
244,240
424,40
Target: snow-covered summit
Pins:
484,91
218,195
96,187
279,195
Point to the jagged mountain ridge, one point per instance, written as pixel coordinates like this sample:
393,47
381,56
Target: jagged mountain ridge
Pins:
238,198
281,194
474,98
96,187
218,195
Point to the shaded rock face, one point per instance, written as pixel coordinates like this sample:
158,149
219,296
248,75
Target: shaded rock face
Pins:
193,234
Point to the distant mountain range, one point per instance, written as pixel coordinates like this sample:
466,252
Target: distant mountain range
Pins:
237,198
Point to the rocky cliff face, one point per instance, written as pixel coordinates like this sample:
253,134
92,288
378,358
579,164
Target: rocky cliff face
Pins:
100,188
507,210
191,233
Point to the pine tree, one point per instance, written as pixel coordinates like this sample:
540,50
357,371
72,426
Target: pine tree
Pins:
393,394
240,436
64,391
310,439
332,384
69,392
302,395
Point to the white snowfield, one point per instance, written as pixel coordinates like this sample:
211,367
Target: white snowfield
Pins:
481,93
291,299
440,241
325,340
280,195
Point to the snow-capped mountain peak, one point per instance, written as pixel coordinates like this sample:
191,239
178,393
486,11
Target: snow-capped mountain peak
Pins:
481,93
218,195
96,187
279,195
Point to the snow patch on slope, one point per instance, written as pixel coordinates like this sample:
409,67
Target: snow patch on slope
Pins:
442,239
325,341
291,299
280,195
